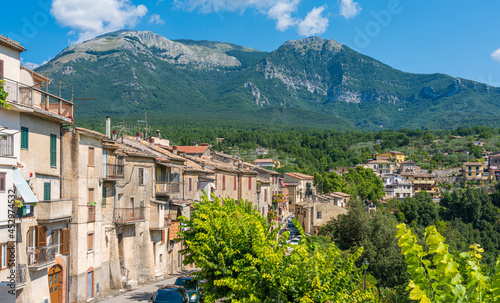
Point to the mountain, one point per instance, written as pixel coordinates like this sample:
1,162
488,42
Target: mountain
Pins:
310,82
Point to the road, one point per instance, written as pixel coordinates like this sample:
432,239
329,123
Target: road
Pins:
141,294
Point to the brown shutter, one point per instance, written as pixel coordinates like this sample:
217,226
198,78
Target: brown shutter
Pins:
65,241
11,254
91,156
41,236
1,68
163,236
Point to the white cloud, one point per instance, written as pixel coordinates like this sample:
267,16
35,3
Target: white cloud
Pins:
90,18
349,9
314,23
496,55
282,13
156,19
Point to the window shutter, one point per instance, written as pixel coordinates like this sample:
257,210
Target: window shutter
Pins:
53,150
65,241
163,236
11,252
2,182
1,69
41,236
234,182
24,137
223,181
91,156
250,183
190,183
46,191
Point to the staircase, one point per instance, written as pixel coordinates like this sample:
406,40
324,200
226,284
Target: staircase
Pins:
127,283
158,273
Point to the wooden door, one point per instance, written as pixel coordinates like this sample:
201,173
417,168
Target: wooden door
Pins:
90,285
55,276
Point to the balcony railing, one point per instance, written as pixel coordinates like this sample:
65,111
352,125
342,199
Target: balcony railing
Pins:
6,145
20,275
35,98
113,171
39,257
167,187
126,215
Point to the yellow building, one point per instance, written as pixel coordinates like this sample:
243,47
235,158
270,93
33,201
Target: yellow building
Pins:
473,174
397,156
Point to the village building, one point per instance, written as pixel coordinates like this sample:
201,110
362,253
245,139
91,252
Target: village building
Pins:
475,174
265,163
397,187
312,215
396,156
380,167
300,187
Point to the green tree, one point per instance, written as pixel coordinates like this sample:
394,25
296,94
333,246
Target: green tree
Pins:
420,209
439,276
244,260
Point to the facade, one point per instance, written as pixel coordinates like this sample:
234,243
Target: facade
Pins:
424,182
301,187
408,166
397,187
380,167
265,163
474,173
202,151
261,151
312,215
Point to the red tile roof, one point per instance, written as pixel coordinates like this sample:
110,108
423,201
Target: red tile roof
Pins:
300,176
192,149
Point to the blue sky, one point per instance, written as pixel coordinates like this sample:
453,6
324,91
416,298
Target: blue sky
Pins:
459,38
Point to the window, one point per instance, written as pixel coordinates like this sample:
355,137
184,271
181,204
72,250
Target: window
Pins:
65,241
249,183
91,195
53,151
104,189
1,69
24,137
141,176
46,191
318,215
215,181
56,239
223,181
197,185
90,241
163,236
265,195
3,254
190,184
91,156
234,182
2,182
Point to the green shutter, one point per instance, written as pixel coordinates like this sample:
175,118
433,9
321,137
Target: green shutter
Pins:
24,137
53,150
104,196
46,191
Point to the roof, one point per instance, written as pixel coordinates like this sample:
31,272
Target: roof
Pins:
339,194
396,152
424,176
91,132
380,162
263,160
192,149
473,163
299,176
36,75
11,44
409,162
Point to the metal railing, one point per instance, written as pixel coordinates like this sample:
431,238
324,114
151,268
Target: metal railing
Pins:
129,214
91,213
21,274
167,187
29,96
6,145
41,255
113,171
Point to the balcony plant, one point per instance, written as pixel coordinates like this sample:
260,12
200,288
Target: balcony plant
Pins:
3,96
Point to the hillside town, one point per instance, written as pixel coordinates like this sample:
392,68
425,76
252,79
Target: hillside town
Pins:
86,204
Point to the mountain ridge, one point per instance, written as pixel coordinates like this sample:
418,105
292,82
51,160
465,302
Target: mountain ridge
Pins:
132,72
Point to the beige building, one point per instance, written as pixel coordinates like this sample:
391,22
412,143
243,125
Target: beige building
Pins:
474,173
312,215
30,161
300,188
380,167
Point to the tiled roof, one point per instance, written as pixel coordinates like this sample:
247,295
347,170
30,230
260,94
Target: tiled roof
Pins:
299,176
91,132
380,162
12,44
409,162
473,163
191,149
263,160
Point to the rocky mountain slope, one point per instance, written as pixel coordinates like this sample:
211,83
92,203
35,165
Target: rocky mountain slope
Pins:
309,82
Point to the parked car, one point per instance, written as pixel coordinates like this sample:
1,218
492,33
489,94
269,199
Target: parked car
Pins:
170,294
192,287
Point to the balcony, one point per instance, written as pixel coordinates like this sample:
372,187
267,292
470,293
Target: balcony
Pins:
113,171
129,215
53,211
37,99
91,213
167,188
21,276
41,257
6,145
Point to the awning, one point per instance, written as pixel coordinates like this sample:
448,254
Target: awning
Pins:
22,187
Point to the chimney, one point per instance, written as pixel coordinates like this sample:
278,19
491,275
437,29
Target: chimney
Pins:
108,126
240,165
204,144
115,134
138,136
174,150
151,142
158,134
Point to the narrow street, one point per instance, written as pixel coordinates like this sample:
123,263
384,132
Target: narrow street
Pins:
141,294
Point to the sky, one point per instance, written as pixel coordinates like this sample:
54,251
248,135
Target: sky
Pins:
459,38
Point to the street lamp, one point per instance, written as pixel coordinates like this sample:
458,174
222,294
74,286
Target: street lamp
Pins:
365,262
